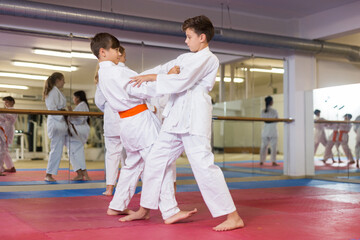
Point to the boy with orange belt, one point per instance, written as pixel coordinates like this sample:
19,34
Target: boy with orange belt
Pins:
139,127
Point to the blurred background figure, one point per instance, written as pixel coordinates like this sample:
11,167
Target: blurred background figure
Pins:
269,134
79,133
319,136
357,140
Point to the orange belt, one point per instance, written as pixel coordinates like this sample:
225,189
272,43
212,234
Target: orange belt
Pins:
133,111
2,129
334,135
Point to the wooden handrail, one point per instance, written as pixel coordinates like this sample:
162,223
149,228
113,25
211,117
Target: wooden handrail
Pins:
253,119
49,112
335,121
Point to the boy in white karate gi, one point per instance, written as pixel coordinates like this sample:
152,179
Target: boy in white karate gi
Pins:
187,126
139,127
115,152
319,136
7,130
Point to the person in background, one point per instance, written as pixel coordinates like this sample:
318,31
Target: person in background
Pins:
319,136
79,129
56,125
357,140
269,133
7,130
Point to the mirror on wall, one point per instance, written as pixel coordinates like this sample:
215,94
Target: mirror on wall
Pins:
246,83
337,143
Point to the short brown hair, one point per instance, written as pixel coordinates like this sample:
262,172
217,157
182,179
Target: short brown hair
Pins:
9,98
201,25
103,40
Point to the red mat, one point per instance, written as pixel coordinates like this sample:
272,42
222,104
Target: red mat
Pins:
24,176
297,213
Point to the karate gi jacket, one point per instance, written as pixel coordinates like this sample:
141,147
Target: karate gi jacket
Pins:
189,108
139,131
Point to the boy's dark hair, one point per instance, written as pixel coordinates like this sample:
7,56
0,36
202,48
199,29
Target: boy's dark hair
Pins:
200,24
103,40
317,111
9,98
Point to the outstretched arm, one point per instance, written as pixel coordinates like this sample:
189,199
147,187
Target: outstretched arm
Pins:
138,80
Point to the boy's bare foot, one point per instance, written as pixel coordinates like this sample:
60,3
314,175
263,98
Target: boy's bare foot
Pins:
232,222
112,212
11,170
86,176
49,178
141,214
180,216
275,164
352,162
324,160
109,190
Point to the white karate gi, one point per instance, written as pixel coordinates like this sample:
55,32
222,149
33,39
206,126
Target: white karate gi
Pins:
56,128
187,125
357,144
75,143
115,153
269,135
7,122
343,139
137,132
331,140
319,135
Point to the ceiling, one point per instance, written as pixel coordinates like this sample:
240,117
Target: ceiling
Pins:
281,9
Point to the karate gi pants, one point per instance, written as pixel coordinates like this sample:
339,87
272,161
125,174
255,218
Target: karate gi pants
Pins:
264,146
56,149
321,138
158,187
128,179
76,153
357,145
5,157
114,155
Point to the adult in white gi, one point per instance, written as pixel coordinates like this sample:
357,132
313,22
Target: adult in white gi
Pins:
357,140
56,125
79,129
7,125
187,126
115,153
269,133
319,135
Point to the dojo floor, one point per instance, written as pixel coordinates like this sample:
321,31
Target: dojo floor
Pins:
278,209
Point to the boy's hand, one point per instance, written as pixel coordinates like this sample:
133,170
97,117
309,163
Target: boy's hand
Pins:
174,70
138,80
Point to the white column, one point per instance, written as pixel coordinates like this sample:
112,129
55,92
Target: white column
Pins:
299,80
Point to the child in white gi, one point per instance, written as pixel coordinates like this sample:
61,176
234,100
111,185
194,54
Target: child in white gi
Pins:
319,136
138,126
7,130
56,125
331,142
269,133
343,139
79,129
187,125
357,140
115,152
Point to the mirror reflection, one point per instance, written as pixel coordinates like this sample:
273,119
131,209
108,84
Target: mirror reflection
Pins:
73,149
336,131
